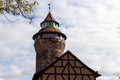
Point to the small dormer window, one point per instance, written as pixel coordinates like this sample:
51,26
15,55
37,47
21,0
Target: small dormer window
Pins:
43,24
55,24
50,23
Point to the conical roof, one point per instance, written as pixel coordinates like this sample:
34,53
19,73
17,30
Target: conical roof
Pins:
49,18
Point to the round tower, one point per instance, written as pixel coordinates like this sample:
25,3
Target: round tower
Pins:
49,42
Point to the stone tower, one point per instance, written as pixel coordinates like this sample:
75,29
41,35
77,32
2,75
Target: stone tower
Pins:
49,42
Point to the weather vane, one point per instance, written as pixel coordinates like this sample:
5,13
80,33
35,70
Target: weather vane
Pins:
49,6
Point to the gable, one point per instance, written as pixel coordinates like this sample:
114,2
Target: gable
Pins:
67,67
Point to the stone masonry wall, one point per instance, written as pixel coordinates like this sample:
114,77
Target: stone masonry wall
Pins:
47,50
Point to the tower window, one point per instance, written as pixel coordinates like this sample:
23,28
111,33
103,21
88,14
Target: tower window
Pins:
43,24
55,24
51,24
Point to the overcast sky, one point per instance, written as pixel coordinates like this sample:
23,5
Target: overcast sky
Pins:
93,35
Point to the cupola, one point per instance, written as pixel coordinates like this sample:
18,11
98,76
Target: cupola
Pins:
49,21
49,29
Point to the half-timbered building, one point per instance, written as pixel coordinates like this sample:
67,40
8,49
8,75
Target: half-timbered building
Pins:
67,67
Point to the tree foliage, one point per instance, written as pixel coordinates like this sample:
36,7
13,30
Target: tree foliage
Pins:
17,7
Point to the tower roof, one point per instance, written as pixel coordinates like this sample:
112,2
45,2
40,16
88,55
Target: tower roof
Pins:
49,30
49,18
49,25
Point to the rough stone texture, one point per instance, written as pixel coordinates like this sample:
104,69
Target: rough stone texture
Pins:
47,50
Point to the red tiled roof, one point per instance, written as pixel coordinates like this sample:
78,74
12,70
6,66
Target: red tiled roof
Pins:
50,17
49,29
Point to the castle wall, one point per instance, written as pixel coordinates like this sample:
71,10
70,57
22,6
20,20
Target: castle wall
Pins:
47,50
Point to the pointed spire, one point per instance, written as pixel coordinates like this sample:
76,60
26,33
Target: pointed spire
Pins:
50,17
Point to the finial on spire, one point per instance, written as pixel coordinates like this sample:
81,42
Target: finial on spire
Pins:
49,6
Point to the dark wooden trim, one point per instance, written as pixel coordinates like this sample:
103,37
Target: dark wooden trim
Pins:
68,67
89,77
82,77
55,73
48,77
63,77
